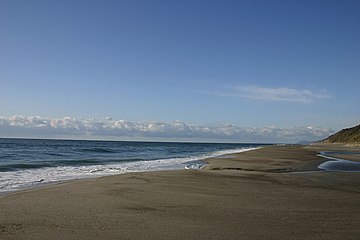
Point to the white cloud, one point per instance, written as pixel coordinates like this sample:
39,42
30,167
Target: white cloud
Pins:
107,128
283,94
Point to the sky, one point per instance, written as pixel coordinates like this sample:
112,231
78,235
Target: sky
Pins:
237,71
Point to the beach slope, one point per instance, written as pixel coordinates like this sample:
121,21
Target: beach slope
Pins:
270,193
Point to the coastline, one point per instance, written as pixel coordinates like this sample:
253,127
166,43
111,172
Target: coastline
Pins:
191,162
60,161
249,195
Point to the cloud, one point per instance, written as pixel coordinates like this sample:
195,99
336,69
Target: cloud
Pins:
108,128
283,94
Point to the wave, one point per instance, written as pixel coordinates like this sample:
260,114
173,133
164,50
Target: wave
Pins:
28,175
56,154
6,156
60,163
97,150
20,166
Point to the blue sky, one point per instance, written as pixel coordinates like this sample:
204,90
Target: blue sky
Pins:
250,64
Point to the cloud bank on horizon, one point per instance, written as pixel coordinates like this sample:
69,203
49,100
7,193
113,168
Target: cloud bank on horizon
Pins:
108,128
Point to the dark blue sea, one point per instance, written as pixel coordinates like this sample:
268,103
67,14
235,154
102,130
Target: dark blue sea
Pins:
29,162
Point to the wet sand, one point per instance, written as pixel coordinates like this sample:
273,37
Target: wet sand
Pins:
270,193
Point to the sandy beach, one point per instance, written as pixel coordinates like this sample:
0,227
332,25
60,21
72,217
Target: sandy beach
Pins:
270,193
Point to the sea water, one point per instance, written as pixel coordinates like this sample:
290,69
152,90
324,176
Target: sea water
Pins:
338,164
29,162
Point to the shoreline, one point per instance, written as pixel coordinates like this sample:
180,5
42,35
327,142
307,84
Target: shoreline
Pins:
228,199
190,160
210,164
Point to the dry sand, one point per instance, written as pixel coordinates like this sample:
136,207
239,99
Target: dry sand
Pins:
270,193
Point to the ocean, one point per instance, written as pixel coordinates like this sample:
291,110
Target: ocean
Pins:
26,163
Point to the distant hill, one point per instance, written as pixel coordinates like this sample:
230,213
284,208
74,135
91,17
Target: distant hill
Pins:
347,135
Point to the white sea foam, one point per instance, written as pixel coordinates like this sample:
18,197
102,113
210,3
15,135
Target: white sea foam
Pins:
16,180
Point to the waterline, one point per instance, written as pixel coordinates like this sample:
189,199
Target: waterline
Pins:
339,164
